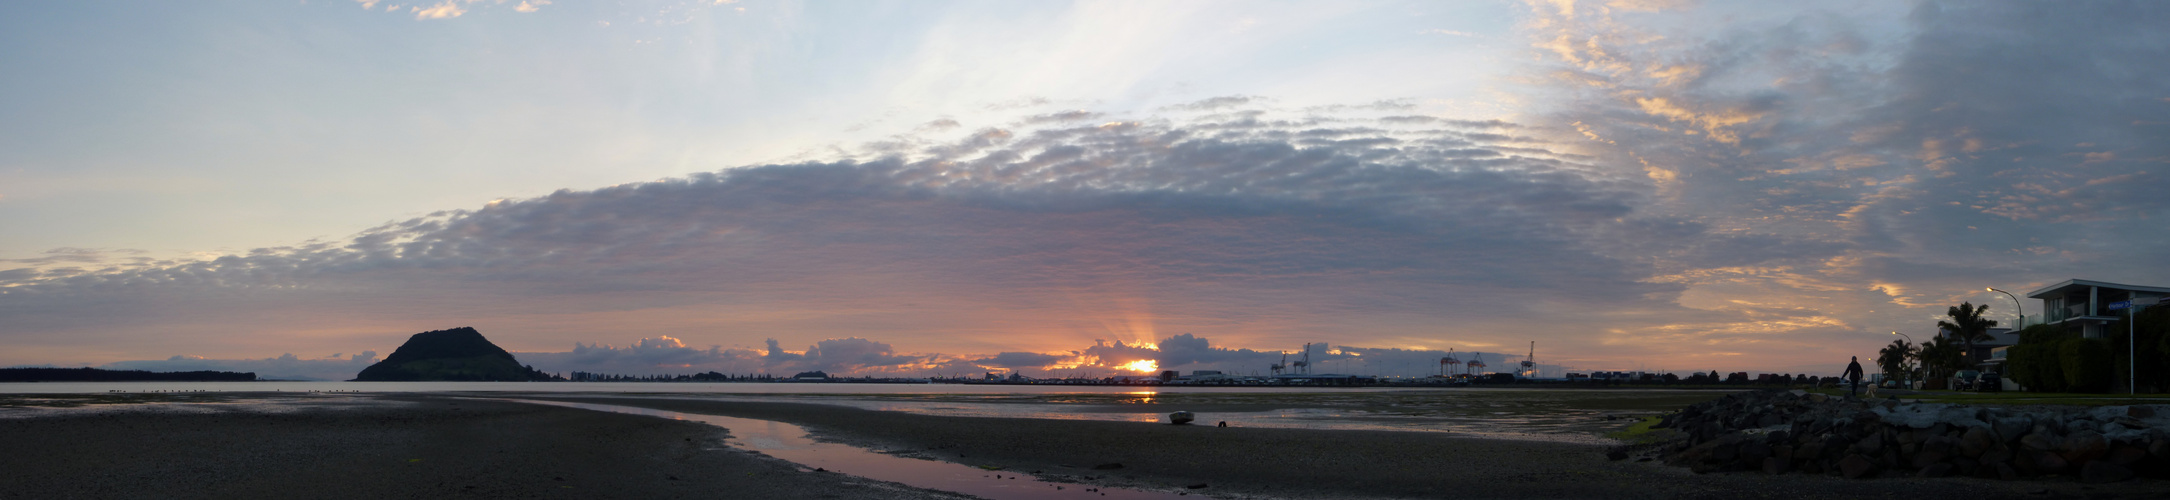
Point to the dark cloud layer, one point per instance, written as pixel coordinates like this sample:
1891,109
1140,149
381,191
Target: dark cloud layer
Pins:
1919,156
1226,218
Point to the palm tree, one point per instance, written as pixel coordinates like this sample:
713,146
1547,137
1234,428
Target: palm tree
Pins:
1939,357
1967,326
1893,359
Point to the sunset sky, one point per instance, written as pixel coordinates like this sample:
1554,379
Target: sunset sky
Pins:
939,187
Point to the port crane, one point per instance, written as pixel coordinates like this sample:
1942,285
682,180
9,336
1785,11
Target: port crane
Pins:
1529,365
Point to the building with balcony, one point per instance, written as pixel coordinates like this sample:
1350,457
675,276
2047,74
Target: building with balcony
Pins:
2086,306
1982,356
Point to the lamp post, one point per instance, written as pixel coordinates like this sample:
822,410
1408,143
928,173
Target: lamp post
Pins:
2132,356
2016,307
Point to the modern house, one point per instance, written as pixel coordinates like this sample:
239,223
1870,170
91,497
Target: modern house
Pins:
2087,306
1999,337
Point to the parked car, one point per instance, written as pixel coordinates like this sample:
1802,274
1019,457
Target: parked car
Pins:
1963,380
1989,382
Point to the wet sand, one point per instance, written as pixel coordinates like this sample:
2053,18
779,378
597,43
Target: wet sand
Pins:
1301,463
391,447
472,448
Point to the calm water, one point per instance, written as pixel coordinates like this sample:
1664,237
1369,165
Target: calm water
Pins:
791,443
1535,414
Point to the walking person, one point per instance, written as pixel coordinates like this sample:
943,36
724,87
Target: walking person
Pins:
1853,374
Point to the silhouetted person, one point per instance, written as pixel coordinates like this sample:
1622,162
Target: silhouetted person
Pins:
1853,374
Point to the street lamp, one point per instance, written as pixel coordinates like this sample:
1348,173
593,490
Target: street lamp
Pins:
2132,356
2016,307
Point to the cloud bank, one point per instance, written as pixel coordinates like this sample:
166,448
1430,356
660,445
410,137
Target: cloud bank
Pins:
1035,235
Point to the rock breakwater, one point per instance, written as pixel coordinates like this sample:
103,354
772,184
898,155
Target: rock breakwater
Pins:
1780,432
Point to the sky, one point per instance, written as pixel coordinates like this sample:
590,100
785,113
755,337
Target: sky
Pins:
1056,188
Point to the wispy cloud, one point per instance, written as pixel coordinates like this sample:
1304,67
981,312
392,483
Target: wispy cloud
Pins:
443,10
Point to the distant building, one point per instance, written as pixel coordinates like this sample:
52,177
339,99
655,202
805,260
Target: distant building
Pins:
1204,376
2087,306
812,376
1984,350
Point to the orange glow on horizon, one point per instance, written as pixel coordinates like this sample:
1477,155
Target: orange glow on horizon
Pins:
1143,365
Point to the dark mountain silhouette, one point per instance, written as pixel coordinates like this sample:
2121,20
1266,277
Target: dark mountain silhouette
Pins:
459,354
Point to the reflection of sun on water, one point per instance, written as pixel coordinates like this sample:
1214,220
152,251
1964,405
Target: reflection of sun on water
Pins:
1143,365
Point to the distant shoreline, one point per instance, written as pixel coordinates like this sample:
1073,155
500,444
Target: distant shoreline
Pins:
88,374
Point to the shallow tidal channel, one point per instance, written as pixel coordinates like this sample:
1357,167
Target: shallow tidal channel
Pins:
792,443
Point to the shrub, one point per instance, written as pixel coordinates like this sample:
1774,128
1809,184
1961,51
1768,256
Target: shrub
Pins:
2153,344
2044,368
2019,366
2035,363
2087,364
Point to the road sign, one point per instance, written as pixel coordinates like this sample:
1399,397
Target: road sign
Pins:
2119,305
2146,301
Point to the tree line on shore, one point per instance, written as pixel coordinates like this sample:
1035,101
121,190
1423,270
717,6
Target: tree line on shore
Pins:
88,374
2047,358
710,376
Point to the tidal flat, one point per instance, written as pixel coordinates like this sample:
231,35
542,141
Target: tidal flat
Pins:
445,445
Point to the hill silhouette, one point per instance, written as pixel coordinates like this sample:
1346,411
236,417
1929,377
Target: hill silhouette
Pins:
459,354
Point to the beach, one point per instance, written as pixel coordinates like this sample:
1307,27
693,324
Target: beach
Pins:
299,446
453,445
